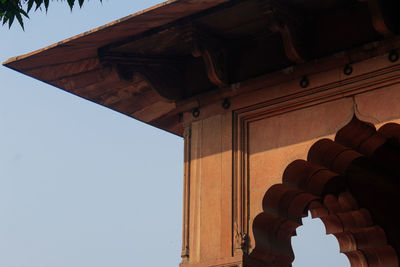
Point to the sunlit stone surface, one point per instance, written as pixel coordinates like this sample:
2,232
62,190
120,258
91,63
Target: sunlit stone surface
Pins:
314,248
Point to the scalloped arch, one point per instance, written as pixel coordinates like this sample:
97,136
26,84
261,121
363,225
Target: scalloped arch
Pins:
351,184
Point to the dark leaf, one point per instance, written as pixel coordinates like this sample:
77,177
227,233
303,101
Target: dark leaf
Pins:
5,19
71,3
11,20
19,18
38,4
30,4
24,13
13,9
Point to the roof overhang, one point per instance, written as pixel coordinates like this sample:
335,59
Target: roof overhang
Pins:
148,64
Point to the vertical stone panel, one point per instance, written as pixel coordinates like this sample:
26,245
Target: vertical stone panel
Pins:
210,196
226,186
209,190
195,187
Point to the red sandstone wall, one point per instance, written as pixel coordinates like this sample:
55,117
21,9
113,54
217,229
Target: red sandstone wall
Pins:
235,155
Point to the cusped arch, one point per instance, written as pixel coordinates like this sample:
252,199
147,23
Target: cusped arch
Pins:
351,184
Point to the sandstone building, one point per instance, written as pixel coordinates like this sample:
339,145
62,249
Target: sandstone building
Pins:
285,107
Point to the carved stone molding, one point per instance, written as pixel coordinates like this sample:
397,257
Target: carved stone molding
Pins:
240,184
187,135
162,74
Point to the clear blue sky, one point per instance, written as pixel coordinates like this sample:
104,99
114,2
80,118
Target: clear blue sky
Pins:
81,185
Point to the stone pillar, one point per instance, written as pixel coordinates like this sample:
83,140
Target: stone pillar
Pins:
208,232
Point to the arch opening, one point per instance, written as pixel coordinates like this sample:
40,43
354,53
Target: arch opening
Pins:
312,247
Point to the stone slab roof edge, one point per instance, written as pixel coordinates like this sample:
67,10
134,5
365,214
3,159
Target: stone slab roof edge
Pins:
122,65
134,24
64,60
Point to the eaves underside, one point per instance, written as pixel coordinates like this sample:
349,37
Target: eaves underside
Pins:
157,64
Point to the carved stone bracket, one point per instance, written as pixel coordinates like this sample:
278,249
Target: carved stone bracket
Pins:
162,74
212,51
384,15
291,26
